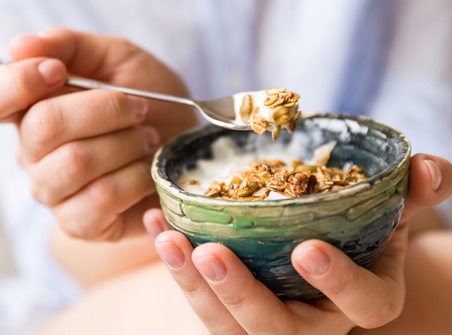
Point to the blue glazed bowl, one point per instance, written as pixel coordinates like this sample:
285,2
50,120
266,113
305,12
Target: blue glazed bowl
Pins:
357,219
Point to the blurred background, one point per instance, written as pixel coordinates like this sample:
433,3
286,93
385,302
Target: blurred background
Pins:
6,262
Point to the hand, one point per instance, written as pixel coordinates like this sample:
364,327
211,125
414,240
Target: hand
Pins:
229,300
88,153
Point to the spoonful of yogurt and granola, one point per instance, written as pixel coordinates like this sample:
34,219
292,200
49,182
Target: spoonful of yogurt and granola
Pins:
270,110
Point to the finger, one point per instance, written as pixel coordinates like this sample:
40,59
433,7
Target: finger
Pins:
430,183
23,83
133,217
72,166
85,54
116,61
175,250
155,222
102,57
368,299
97,212
81,52
253,305
53,122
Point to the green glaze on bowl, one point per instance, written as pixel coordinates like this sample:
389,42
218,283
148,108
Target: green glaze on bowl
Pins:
358,219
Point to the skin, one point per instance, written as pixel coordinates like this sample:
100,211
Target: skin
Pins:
391,298
64,137
88,152
397,293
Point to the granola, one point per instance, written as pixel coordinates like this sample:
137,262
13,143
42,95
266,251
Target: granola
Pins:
267,176
277,109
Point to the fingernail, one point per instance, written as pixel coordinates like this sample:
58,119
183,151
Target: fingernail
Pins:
140,106
312,260
211,267
52,71
152,137
170,253
435,173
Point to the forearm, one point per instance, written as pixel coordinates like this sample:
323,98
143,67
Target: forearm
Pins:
91,263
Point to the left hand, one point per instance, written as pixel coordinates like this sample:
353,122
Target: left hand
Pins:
229,300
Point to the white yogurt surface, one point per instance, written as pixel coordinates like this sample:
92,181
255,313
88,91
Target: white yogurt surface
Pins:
228,160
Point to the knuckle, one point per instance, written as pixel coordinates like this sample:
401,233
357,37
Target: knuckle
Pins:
73,163
191,288
94,231
73,229
77,228
111,231
347,283
39,191
55,178
114,103
40,187
233,299
383,314
102,194
77,225
43,123
90,222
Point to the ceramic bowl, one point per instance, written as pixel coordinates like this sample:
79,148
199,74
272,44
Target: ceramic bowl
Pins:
357,219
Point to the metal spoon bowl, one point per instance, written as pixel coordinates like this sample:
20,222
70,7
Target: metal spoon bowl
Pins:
220,112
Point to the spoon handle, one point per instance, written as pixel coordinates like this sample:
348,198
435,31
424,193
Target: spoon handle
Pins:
93,84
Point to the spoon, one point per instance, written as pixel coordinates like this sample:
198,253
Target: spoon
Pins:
221,112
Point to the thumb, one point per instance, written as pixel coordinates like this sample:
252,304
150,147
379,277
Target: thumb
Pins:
368,299
430,183
26,82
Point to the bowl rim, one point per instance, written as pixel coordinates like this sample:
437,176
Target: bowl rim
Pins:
163,181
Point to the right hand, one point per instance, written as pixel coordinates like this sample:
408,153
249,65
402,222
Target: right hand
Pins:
88,153
229,300
25,83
